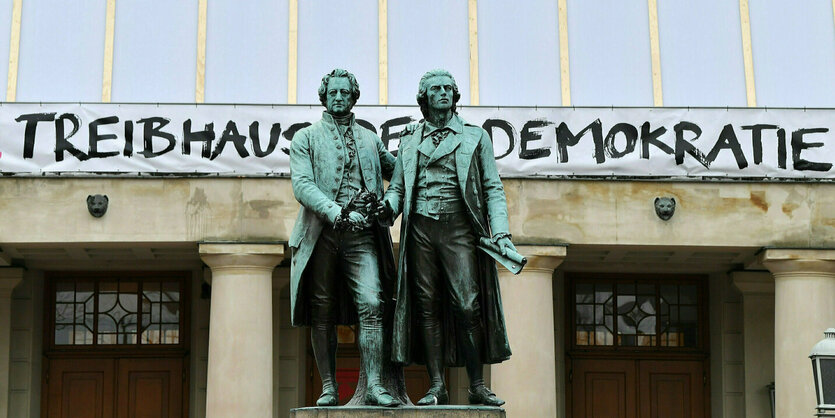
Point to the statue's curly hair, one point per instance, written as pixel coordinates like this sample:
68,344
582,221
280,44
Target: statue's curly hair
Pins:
338,72
422,100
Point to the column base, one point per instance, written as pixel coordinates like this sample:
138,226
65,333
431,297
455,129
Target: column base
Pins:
445,411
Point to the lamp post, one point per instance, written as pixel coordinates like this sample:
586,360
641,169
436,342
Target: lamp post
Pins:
823,370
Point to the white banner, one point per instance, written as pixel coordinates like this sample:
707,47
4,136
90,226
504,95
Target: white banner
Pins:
254,140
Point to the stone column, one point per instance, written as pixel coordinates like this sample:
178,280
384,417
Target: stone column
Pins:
804,306
758,338
528,380
240,375
9,278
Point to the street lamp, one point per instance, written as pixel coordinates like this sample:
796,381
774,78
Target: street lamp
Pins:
823,369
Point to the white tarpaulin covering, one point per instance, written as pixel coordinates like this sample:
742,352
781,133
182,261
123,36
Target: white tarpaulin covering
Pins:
254,140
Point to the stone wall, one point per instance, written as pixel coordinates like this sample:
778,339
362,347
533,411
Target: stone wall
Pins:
727,369
541,212
25,349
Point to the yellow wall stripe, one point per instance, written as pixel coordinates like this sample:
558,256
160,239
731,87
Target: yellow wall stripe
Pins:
565,79
383,50
473,24
200,84
292,51
747,55
655,52
109,30
14,51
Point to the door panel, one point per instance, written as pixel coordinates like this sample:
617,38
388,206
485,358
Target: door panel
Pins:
107,387
80,388
603,389
150,388
637,388
671,389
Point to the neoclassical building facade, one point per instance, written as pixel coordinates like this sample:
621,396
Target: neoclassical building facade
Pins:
737,296
175,302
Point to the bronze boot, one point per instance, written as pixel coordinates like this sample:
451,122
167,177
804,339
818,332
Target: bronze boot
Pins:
323,340
371,357
433,349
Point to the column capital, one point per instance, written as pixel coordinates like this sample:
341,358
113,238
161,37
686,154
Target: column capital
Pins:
542,257
9,278
241,255
784,260
753,282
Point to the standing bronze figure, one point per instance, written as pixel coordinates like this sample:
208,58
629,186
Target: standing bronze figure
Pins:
342,258
447,187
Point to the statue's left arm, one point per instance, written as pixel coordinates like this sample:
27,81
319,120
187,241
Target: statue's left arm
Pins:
303,179
494,197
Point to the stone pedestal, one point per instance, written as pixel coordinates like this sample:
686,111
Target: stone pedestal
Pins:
527,382
804,306
240,370
447,411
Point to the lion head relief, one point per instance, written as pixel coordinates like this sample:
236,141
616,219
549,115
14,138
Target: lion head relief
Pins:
665,207
97,204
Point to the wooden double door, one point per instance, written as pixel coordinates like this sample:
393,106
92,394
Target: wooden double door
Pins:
115,387
638,388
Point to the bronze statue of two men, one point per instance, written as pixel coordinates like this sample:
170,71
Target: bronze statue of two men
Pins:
441,306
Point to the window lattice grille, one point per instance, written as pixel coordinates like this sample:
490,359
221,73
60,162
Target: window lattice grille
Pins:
117,312
635,314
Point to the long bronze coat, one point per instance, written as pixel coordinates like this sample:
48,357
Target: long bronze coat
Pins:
316,169
484,196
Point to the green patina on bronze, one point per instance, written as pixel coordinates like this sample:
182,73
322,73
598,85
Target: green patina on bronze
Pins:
445,183
343,267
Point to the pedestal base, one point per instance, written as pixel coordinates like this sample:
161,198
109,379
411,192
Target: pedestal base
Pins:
446,411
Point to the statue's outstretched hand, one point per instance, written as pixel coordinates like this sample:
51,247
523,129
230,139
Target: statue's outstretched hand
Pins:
409,129
506,245
357,221
380,210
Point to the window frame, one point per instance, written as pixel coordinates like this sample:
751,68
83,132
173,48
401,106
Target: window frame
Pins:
700,281
96,277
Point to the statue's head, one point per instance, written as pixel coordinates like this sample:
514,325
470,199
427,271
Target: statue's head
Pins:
339,92
97,204
428,95
665,207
